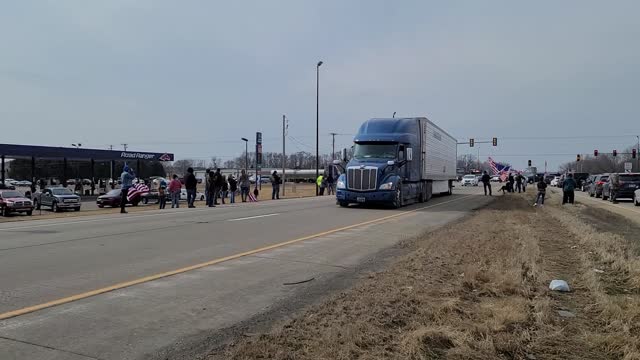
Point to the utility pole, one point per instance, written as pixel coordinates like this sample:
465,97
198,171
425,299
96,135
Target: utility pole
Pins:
125,146
111,147
318,126
333,145
284,154
638,154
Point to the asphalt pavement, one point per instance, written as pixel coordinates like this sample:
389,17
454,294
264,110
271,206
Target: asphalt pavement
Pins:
128,286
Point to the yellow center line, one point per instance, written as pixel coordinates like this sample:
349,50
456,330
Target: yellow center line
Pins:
126,284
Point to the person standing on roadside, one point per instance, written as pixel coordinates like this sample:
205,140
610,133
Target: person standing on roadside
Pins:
542,189
211,189
486,182
126,178
217,181
568,188
511,181
174,189
190,183
224,189
245,185
614,179
206,186
162,194
275,185
320,182
519,183
233,187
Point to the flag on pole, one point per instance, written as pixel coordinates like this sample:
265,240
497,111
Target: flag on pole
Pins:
252,197
137,190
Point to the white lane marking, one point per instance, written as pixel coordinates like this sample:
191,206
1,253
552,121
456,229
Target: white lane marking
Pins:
164,212
254,217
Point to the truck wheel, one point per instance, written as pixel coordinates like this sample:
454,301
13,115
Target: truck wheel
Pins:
54,207
450,192
6,212
145,201
343,204
30,212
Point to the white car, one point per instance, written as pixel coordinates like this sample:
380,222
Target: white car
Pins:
496,178
183,195
469,180
636,197
555,180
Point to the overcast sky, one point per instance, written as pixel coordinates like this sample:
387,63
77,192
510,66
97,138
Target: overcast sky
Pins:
192,77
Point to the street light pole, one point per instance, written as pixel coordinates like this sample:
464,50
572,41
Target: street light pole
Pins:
246,155
638,154
318,126
284,156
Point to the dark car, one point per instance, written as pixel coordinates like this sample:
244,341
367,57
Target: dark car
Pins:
627,185
12,201
57,198
580,179
113,197
589,184
598,182
154,196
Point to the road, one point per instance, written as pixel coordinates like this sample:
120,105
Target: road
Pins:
127,287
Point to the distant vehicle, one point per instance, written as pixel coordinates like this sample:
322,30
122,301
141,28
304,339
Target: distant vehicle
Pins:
589,184
7,186
183,195
398,161
628,184
469,180
154,195
555,181
56,198
598,183
23,183
496,178
113,197
12,201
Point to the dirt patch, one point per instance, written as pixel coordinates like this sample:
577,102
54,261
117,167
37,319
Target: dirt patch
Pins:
476,290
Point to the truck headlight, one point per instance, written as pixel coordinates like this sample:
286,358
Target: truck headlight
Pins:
386,186
341,184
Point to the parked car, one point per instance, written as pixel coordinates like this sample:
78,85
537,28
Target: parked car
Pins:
153,195
113,197
12,201
469,180
636,197
56,198
555,181
496,178
7,186
628,184
588,184
183,195
598,183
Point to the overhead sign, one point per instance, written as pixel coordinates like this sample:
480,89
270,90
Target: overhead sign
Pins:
628,166
51,152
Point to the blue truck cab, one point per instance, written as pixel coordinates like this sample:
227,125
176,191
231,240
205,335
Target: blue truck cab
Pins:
397,162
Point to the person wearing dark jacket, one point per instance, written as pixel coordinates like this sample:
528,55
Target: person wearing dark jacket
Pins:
511,180
568,188
542,189
486,181
211,189
190,183
217,181
233,187
519,179
224,189
275,184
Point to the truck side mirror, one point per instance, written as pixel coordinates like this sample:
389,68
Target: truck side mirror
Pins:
391,163
409,154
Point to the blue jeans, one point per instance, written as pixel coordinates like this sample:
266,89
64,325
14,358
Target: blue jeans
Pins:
244,192
232,197
275,194
175,200
191,196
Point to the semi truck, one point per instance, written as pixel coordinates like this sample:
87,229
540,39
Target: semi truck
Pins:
398,161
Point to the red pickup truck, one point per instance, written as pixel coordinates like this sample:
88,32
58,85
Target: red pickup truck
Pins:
13,201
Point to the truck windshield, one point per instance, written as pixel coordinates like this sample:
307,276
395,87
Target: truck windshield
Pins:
376,151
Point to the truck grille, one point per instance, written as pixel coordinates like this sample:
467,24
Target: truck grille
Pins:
362,179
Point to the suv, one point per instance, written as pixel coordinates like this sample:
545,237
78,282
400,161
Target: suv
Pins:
627,185
598,182
57,198
14,201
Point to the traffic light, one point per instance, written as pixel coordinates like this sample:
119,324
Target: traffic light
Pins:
471,142
595,153
529,162
634,153
495,141
615,152
578,157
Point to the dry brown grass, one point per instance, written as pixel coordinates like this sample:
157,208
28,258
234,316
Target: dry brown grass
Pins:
478,290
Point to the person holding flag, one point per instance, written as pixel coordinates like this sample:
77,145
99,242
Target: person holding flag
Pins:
126,178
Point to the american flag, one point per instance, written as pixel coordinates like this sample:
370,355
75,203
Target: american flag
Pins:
252,198
137,190
498,168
